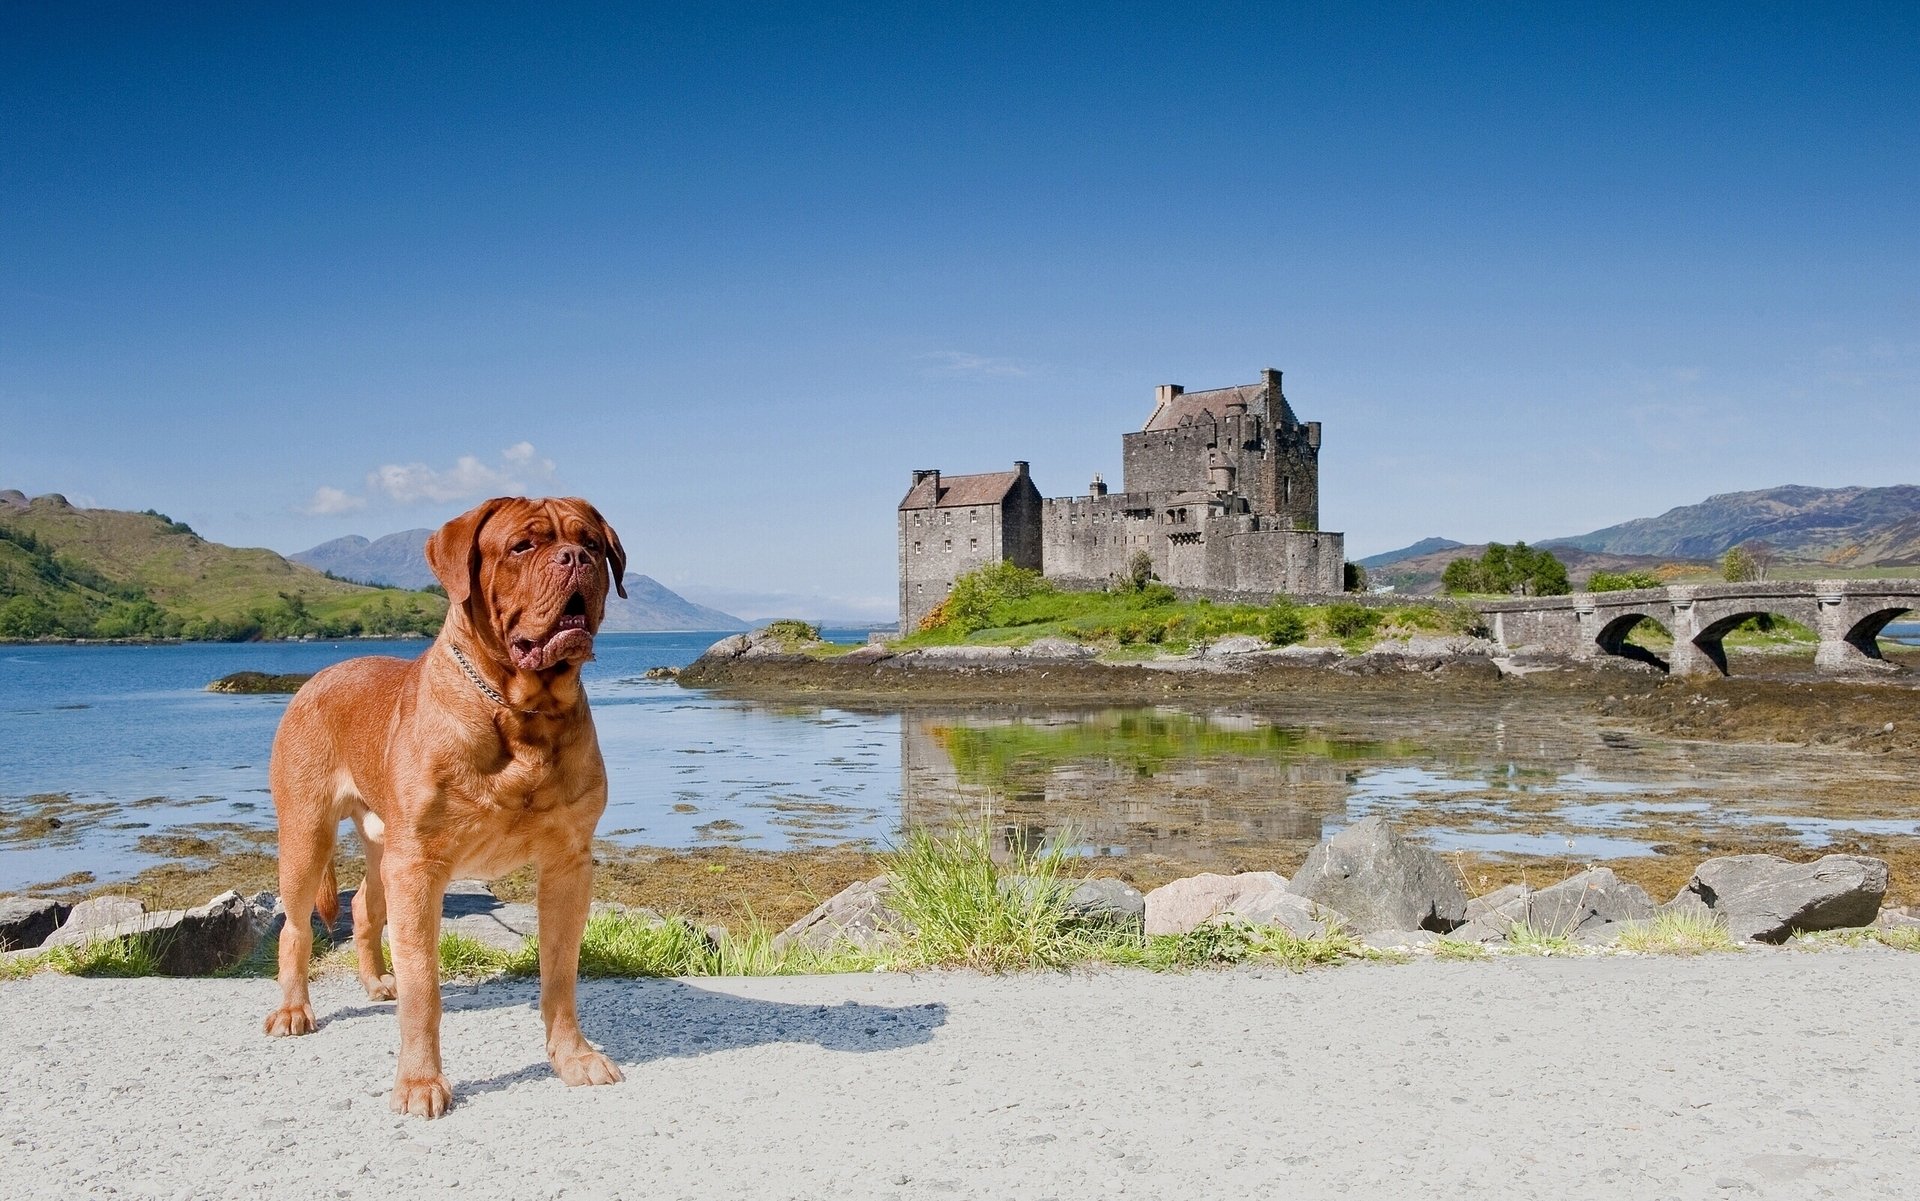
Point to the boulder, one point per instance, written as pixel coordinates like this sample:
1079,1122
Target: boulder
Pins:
95,912
470,908
1579,907
1183,905
1236,644
1291,912
27,921
1054,647
730,647
1113,904
184,942
1764,898
1481,905
857,915
1382,881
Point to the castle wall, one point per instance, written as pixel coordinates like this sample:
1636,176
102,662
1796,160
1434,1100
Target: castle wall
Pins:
939,545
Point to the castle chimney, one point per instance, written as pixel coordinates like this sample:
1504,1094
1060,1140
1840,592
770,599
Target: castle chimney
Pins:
1313,434
928,473
1020,468
1098,487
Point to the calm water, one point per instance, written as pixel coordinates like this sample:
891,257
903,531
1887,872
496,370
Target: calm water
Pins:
132,737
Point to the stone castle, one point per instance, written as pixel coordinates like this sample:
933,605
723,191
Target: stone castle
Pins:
1222,492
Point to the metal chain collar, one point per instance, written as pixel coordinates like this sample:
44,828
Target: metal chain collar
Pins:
487,690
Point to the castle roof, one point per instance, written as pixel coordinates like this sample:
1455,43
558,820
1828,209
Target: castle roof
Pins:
958,491
1211,406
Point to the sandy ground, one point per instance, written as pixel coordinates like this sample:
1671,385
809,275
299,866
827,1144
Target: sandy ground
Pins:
1770,1074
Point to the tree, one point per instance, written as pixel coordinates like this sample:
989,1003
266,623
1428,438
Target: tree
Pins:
1504,570
1621,581
1139,569
1737,566
1355,578
1463,576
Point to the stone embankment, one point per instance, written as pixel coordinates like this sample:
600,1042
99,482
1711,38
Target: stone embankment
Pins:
1368,881
1392,893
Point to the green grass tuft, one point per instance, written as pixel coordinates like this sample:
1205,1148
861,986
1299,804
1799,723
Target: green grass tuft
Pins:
1526,940
1681,932
1900,938
1459,949
966,914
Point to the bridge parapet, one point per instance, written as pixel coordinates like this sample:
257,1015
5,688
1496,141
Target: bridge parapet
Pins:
1848,615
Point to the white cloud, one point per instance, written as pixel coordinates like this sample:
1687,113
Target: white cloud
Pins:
960,362
328,501
517,470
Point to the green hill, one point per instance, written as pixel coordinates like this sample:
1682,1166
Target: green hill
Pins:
103,573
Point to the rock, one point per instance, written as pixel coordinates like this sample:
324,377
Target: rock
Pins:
27,921
184,942
870,653
1400,940
857,915
730,647
1382,881
1112,904
1479,906
660,673
945,656
254,682
470,908
1236,644
1764,898
95,912
1897,919
1579,907
1291,912
1183,905
1052,647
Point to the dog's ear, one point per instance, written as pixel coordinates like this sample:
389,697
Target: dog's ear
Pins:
454,550
610,542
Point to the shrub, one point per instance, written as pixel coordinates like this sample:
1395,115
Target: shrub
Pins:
1139,570
1346,620
1285,624
790,630
1503,569
969,606
1622,581
1354,577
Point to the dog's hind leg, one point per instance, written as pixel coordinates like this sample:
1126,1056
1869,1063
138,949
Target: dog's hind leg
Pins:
370,913
308,824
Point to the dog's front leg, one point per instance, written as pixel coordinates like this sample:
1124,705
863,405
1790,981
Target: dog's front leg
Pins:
566,894
414,894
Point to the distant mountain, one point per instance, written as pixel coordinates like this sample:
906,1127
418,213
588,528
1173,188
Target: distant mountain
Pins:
103,573
401,560
652,606
1845,527
398,560
1425,546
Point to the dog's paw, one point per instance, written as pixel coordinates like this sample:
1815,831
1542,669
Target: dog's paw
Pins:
585,1065
421,1096
380,988
290,1019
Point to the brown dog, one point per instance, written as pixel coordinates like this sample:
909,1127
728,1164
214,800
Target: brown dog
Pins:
475,759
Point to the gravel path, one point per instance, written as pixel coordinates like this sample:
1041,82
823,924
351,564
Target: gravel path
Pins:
1770,1074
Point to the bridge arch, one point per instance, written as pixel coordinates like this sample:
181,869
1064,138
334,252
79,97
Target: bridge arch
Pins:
1613,638
1864,634
1710,640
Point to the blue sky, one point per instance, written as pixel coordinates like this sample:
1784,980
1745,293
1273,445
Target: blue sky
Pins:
288,272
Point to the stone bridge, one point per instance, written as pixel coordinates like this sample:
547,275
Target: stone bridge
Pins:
1847,614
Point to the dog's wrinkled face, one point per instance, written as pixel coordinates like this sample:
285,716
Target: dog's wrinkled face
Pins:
533,572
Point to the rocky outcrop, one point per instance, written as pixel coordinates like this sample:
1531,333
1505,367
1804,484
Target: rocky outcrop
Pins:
470,908
183,942
1107,904
858,915
1586,908
1183,905
1764,898
27,921
1382,881
95,912
1288,911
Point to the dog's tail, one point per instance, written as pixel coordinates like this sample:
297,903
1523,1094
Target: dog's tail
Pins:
328,899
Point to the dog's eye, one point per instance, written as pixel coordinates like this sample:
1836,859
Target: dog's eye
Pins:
523,546
590,544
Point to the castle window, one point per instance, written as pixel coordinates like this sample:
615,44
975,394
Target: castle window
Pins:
947,546
973,544
916,548
973,514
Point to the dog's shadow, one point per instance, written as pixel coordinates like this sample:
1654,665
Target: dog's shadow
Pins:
639,1021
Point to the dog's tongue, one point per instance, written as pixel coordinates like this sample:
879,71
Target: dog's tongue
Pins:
564,644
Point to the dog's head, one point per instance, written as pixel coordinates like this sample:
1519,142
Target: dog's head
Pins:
532,573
